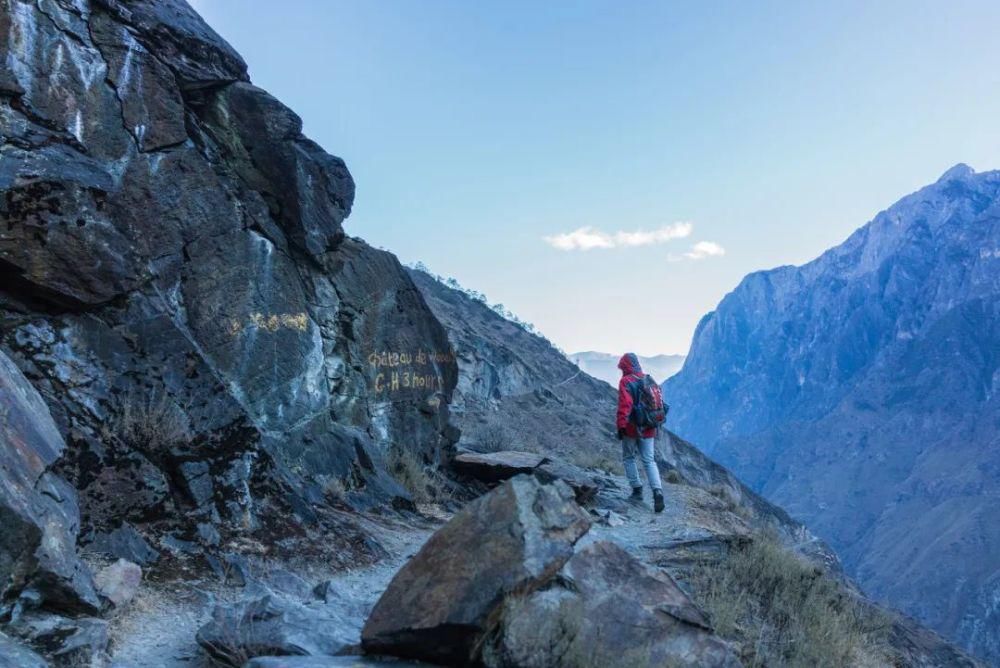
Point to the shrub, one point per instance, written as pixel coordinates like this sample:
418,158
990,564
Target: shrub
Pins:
424,486
492,436
600,459
673,477
150,423
785,611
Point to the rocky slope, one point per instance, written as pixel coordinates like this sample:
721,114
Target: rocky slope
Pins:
605,365
516,388
860,392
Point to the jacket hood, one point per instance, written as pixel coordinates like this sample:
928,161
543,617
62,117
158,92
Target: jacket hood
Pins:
629,364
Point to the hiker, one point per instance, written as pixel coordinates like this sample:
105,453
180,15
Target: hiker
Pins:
638,419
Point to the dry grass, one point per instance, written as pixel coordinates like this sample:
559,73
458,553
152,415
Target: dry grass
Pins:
425,484
610,462
673,477
785,611
150,422
492,436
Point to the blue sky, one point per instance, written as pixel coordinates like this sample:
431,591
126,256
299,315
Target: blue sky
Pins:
609,171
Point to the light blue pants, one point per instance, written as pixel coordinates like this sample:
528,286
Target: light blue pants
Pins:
645,448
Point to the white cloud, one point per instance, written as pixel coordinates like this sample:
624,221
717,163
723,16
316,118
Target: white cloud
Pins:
705,249
588,238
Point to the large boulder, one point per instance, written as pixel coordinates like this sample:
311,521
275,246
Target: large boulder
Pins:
496,466
606,608
38,510
444,601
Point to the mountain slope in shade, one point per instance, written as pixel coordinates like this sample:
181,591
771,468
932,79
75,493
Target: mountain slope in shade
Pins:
861,392
605,365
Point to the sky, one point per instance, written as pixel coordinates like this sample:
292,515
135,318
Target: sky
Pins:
609,171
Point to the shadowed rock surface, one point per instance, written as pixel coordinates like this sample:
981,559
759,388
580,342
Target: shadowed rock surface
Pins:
860,392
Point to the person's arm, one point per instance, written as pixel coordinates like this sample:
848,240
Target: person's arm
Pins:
624,406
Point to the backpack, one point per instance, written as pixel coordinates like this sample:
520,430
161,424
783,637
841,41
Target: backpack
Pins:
648,409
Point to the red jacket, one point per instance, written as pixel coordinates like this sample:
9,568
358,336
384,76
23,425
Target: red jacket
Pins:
631,372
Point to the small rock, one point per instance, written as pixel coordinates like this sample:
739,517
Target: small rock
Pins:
609,518
15,655
584,485
198,480
125,543
78,641
288,583
497,466
208,534
179,545
119,582
273,625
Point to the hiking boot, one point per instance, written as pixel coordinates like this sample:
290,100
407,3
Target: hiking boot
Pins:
636,494
657,500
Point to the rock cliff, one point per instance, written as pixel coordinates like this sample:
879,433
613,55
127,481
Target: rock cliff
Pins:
859,392
176,283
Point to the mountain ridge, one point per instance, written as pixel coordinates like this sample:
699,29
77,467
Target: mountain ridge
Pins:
856,371
605,365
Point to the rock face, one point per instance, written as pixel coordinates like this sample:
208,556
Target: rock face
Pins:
443,601
38,510
176,282
860,392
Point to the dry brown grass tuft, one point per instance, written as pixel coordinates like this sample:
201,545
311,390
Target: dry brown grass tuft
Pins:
150,422
424,483
784,611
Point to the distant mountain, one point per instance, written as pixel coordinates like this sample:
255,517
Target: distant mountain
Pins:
861,392
605,365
